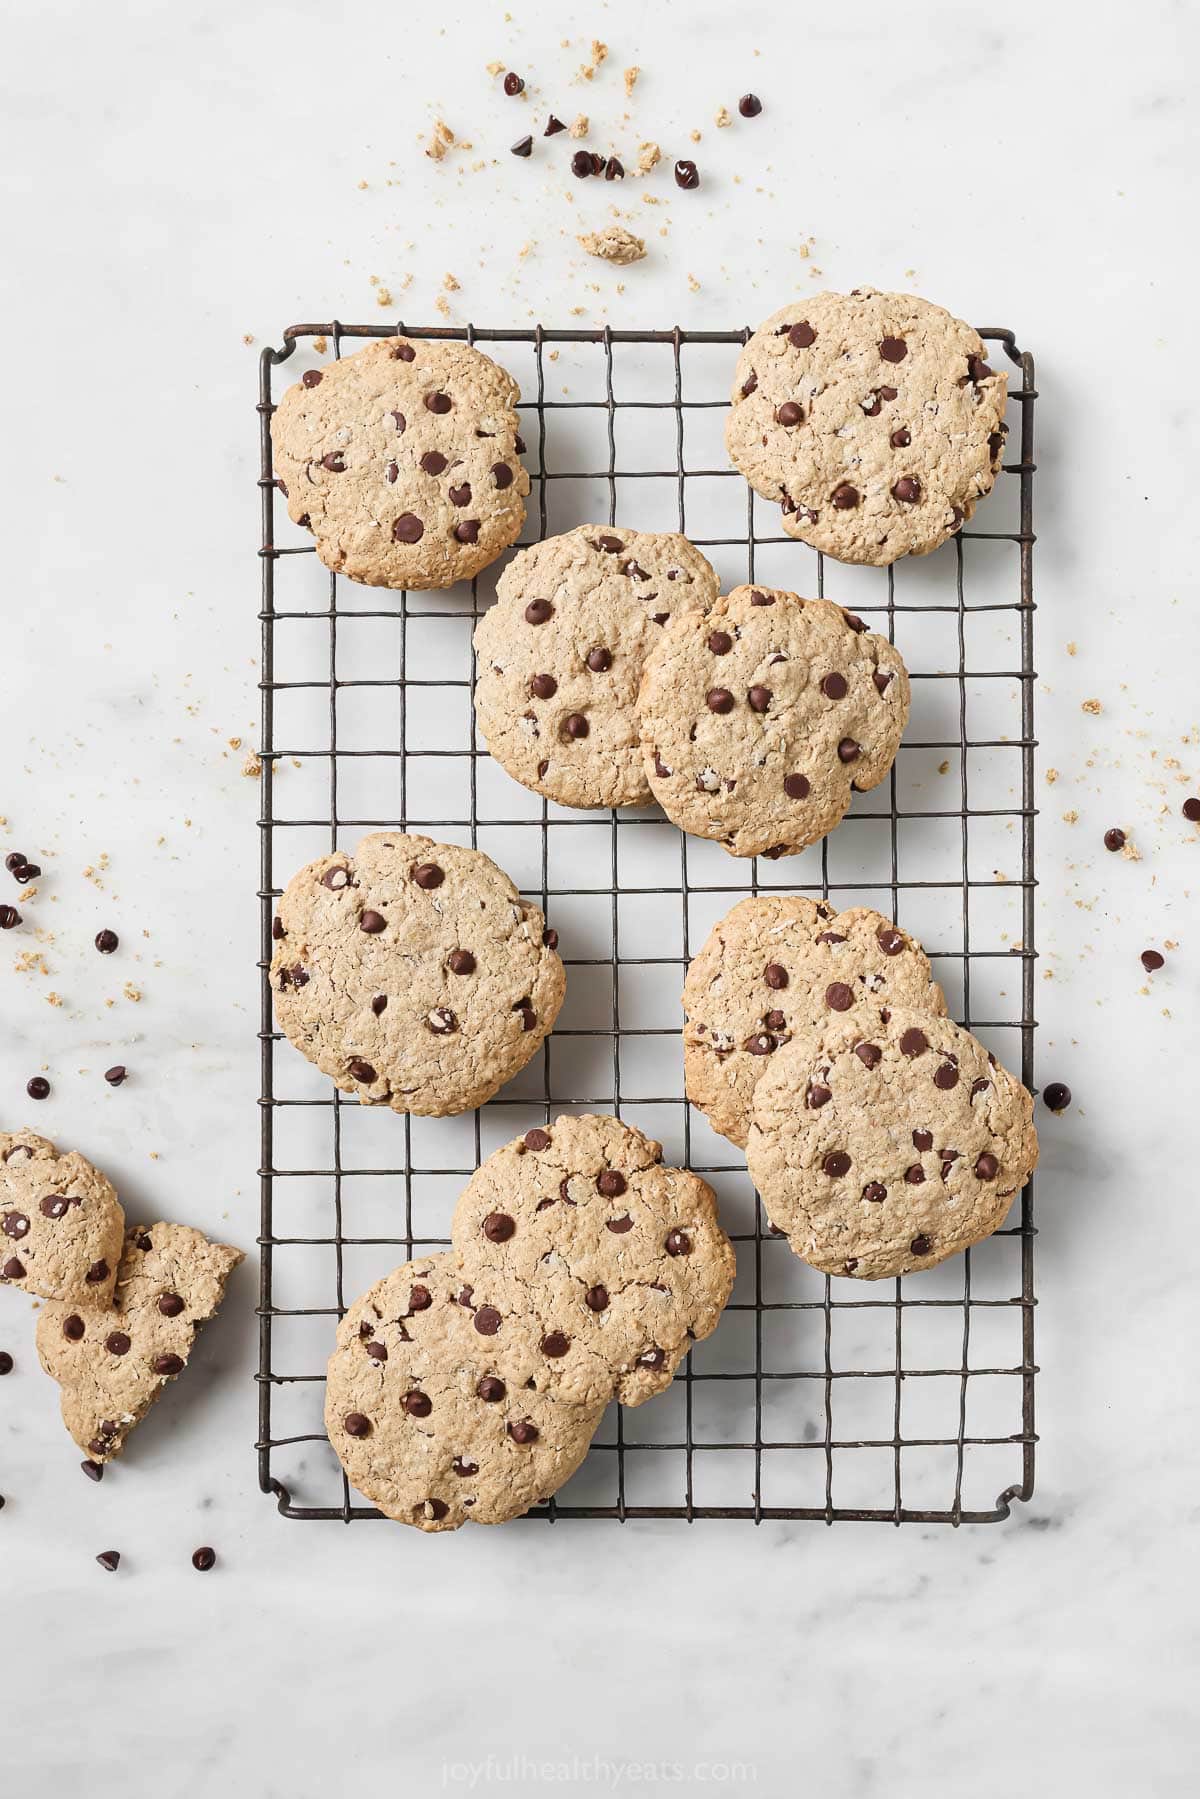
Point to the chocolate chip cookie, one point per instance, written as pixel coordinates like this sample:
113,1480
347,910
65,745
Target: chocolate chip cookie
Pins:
413,973
404,461
874,419
776,965
61,1223
618,1263
884,1149
758,718
439,1408
561,653
112,1362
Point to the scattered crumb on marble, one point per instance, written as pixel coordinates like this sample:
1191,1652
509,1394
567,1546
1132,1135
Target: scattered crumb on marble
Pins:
614,244
1092,706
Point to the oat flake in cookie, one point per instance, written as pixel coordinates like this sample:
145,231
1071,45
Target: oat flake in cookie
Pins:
61,1224
874,419
438,1405
561,653
618,1263
884,1149
413,973
778,964
404,460
112,1362
758,719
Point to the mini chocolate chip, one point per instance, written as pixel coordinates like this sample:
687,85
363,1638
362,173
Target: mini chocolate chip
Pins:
889,939
575,725
170,1304
849,750
749,106
720,642
908,489
522,147
393,471
834,686
106,942
844,496
1114,839
920,1246
538,611
359,1070
596,1299
204,1559
816,1097
460,961
117,1343
836,1163
522,1430
498,1227
660,768
687,175
611,1182
428,875
986,1166
874,1192
168,1364
678,1243
438,402
775,975
97,1273
615,170
900,438
38,1087
914,1042
433,462
719,699
796,786
487,1321
1152,960
73,1328
789,413
355,1424
831,937
407,528
543,687
1191,811
93,1470
749,385
893,349
379,1004
311,377
110,1559
599,660
839,997
869,1054
915,1175
801,336
761,1045
1057,1096
553,126
581,164
555,1344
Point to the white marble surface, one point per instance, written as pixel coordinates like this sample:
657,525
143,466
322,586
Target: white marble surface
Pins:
179,177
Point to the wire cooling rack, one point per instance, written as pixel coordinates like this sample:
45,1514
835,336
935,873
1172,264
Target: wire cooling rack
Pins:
818,1398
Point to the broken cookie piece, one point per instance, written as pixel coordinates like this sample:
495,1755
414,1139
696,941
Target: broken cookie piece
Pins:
614,244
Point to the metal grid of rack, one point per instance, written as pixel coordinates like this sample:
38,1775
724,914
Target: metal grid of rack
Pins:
816,1398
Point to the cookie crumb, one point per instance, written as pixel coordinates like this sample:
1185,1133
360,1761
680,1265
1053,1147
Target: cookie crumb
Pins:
131,992
320,345
1072,649
1130,851
693,284
722,117
383,297
1092,706
614,244
494,69
943,768
252,766
578,126
1071,817
695,136
1051,776
247,337
630,78
450,284
648,156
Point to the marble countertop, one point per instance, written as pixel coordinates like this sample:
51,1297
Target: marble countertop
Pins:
181,183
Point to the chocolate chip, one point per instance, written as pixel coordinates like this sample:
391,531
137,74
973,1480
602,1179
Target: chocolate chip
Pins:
922,1139
834,686
377,1351
543,687
379,1004
719,699
920,1246
749,385
428,875
487,1321
914,1042
110,1559
776,976
1152,960
461,496
14,860
816,1097
720,642
13,1270
372,923
522,1430
73,1328
599,660
393,471
555,1343
356,1425
98,1273
358,1070
166,1364
763,599
38,1087
1191,811
16,1225
459,961
678,1243
575,725
117,1343
1114,839
978,369
334,462
437,1509
619,1226
442,1021
889,939
687,175
106,942
420,1299
749,106
874,1192
170,1304
979,1086
93,1470
831,937
6,1362
9,916
417,1404
763,1044
946,1077
900,438
336,878
502,475
611,1182
498,1227
538,611
433,462
615,170
407,529
844,496
893,349
986,1166
796,786
915,1175
1057,1096
789,413
468,531
553,126
581,164
856,624
849,750
801,336
836,1163
204,1559
491,1389
869,1054
311,377
461,1467
850,1266
438,402
522,147
907,489
839,997
52,1206
596,1299
882,680
398,418
550,939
